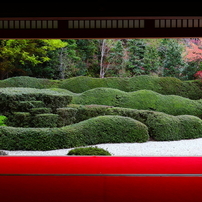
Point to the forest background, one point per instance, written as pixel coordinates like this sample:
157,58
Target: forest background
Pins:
62,59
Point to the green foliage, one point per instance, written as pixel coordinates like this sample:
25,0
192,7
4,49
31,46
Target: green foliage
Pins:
171,54
45,120
41,110
82,83
15,52
11,96
28,82
3,120
136,55
161,126
102,129
66,116
162,85
19,119
92,151
142,99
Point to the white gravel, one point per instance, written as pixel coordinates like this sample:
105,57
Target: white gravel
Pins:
151,148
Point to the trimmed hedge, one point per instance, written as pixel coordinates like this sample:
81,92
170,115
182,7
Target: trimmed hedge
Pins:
66,116
162,85
45,120
41,110
92,151
28,82
161,126
102,129
80,84
19,119
10,97
142,100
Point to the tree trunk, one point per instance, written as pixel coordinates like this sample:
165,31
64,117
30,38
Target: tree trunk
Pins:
103,48
61,67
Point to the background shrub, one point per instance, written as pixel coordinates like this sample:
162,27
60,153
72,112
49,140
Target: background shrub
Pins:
11,97
28,82
142,99
162,85
102,129
161,126
93,151
45,120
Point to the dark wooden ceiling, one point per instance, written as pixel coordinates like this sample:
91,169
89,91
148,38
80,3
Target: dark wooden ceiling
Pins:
101,9
100,20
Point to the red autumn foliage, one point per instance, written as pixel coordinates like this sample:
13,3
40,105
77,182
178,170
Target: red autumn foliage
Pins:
194,52
198,75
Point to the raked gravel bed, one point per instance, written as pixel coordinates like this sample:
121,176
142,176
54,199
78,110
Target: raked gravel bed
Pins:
171,148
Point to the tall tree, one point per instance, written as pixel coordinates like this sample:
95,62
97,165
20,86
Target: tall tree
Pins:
171,53
136,49
15,52
111,56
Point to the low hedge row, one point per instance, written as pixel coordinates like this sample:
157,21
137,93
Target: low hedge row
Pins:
102,129
142,100
10,98
161,126
162,85
28,82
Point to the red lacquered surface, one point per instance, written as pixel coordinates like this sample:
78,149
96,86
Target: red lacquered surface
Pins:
100,179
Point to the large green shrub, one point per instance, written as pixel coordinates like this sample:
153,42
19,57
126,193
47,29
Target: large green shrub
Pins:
82,83
162,85
45,120
102,129
10,98
142,99
28,82
92,151
162,127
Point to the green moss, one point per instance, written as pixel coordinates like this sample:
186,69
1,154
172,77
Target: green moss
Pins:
93,151
102,129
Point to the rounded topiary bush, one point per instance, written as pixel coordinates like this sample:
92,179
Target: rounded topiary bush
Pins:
92,151
102,129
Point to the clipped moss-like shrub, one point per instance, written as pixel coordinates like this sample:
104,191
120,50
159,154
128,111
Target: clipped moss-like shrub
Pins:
142,100
28,82
26,106
92,151
9,97
42,110
45,120
162,85
161,126
82,83
19,119
102,129
66,116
